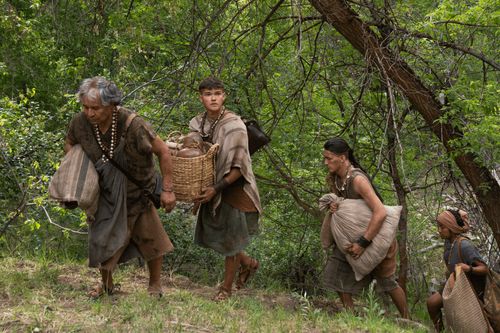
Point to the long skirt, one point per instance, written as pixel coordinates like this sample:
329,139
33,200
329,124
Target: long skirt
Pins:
146,238
339,276
228,232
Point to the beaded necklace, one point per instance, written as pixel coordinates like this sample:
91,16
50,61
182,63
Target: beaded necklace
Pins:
347,176
212,127
112,146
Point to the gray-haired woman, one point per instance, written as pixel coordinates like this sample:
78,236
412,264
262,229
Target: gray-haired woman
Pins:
126,224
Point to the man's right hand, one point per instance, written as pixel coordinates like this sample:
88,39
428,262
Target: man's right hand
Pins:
206,195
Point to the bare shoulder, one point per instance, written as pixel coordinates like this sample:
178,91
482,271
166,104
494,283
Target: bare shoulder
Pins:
360,181
364,188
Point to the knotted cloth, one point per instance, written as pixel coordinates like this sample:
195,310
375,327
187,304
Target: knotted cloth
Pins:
447,219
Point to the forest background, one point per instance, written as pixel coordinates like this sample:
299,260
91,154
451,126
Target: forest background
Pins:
411,85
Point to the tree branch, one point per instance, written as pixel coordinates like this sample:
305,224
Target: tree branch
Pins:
60,226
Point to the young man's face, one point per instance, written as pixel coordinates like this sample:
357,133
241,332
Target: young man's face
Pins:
212,99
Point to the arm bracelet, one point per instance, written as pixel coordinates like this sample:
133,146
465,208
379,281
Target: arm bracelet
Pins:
167,189
221,185
363,242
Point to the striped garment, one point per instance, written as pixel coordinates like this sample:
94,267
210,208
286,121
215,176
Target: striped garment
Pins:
76,182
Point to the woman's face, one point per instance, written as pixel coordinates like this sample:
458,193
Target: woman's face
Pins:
444,232
333,161
95,112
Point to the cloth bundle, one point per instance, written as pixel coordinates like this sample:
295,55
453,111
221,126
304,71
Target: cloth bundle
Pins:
76,182
349,223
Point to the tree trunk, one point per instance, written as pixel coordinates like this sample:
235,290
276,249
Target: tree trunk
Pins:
346,22
403,220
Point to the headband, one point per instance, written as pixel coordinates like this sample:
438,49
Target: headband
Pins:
448,220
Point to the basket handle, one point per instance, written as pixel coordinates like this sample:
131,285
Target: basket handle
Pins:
172,134
213,149
173,145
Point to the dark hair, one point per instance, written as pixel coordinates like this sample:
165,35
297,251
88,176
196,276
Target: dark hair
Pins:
211,83
339,146
457,216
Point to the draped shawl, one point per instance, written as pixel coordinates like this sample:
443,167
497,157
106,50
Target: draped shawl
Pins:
231,135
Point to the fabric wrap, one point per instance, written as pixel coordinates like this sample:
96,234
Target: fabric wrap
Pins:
349,223
448,220
109,231
76,182
462,310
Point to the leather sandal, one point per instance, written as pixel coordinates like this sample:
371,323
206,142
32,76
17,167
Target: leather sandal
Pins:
101,290
222,295
155,292
246,272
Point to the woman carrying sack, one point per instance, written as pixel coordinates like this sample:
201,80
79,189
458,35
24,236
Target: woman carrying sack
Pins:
348,180
460,251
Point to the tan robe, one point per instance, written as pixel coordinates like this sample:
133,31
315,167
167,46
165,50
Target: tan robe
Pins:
230,134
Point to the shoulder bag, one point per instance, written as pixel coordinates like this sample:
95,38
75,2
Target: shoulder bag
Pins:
463,311
256,137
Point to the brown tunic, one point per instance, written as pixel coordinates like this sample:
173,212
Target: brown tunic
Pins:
121,231
138,156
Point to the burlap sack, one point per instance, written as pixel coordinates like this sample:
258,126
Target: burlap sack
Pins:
462,310
350,222
76,182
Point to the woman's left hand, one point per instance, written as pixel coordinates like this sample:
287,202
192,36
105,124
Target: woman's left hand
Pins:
355,250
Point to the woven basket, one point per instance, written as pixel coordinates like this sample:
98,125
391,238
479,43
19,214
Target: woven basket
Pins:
191,175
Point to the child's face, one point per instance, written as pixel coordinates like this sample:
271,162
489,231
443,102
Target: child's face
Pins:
444,232
212,99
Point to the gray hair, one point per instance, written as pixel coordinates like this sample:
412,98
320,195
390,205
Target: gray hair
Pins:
108,91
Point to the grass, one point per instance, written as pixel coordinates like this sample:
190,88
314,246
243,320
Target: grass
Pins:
44,296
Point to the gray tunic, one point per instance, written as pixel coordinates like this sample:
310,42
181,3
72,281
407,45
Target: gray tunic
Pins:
470,254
